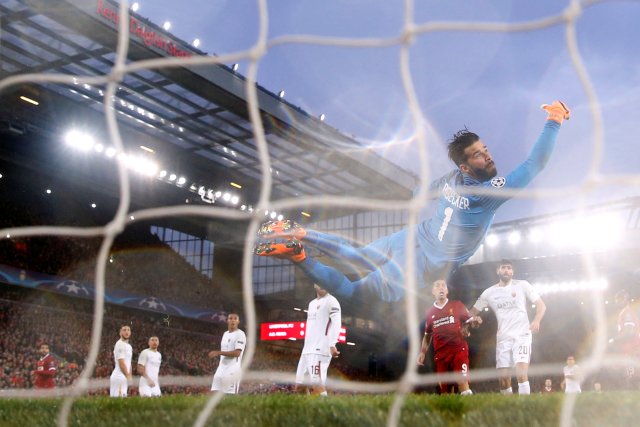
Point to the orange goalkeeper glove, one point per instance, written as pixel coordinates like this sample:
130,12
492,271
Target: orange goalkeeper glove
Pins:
558,112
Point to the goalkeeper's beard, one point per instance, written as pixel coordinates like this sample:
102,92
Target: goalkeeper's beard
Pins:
486,173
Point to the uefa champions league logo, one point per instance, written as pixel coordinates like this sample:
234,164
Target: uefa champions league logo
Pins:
152,303
498,181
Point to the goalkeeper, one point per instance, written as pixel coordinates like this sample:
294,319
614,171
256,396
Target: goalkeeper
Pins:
468,198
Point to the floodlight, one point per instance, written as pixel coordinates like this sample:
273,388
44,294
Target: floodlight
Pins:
492,240
514,237
80,140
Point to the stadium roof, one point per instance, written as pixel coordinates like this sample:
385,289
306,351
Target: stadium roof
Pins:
194,118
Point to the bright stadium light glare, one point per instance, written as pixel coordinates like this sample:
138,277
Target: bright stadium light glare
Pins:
166,25
182,180
599,284
79,140
603,231
281,94
273,214
280,217
535,235
110,152
145,166
93,205
173,177
29,100
226,197
492,240
163,173
514,237
196,42
322,117
561,233
234,67
48,191
234,200
135,6
99,148
218,194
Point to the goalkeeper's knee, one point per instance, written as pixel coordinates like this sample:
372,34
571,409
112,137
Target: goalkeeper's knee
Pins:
558,111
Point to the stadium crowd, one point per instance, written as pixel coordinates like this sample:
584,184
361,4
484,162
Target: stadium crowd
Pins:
29,318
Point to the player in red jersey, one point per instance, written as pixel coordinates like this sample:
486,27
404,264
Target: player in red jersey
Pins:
628,339
45,369
447,325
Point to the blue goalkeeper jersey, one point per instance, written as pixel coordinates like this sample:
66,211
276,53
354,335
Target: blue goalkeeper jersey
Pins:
462,219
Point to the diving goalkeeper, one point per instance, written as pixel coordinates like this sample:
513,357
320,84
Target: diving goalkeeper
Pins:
467,199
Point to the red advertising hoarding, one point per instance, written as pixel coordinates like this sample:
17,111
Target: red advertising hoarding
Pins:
290,330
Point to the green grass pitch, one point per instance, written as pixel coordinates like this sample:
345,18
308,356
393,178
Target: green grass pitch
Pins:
606,409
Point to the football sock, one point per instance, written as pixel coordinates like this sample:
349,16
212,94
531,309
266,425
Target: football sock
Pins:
524,388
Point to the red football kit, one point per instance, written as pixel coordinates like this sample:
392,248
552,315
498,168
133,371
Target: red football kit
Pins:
45,372
451,352
628,319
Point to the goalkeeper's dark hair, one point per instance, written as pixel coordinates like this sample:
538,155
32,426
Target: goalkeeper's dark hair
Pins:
505,261
458,143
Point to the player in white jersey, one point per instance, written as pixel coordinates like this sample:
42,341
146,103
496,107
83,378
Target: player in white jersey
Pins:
508,300
324,320
122,354
572,376
149,363
227,376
